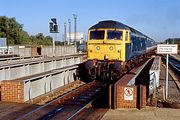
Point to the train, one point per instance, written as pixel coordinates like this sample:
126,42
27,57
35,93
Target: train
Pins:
113,48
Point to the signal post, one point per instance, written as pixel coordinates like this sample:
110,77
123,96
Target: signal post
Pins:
167,49
53,29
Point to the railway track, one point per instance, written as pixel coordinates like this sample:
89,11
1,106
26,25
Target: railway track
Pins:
68,105
173,100
174,63
174,66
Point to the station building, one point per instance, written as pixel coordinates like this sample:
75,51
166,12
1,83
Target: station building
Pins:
71,37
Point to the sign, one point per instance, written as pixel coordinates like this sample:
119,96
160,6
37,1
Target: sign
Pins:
128,93
21,46
3,42
167,49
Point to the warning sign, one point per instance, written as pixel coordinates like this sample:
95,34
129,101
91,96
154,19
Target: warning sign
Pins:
167,49
128,93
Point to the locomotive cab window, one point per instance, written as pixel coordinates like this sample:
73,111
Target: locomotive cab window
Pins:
94,35
114,35
126,36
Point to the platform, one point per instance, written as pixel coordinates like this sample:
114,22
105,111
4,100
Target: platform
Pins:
151,113
144,114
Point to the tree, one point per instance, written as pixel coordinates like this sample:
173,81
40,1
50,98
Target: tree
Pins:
13,31
173,41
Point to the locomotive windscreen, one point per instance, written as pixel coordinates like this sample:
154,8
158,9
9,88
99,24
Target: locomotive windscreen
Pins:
114,35
99,34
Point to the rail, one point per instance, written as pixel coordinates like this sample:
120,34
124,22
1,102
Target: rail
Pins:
38,61
19,59
85,106
45,105
175,63
71,98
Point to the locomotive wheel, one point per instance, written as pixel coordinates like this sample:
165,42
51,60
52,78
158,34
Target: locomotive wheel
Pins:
92,73
110,72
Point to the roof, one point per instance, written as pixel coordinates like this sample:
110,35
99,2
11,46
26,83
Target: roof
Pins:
109,24
113,24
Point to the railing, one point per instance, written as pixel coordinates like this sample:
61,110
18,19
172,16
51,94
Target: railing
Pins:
154,73
21,69
19,59
41,84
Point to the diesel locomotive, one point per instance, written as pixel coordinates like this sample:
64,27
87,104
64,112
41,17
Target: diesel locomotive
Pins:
114,47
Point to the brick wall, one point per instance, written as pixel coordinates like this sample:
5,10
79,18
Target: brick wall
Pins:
34,51
144,97
12,91
122,100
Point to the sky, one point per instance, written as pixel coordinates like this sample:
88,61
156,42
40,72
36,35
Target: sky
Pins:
158,19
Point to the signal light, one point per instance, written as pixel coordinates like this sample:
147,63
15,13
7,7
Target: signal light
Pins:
56,28
54,20
106,57
51,27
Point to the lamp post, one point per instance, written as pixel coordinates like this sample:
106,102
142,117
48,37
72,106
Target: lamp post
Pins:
75,18
69,21
64,33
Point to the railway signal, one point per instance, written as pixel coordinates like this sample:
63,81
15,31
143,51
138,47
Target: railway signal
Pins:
53,26
54,20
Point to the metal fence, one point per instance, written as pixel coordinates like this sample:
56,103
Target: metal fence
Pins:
42,50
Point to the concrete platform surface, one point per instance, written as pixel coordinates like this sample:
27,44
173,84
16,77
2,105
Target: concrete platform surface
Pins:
144,114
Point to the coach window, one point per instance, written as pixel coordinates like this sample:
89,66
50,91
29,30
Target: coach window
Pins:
126,36
114,35
96,35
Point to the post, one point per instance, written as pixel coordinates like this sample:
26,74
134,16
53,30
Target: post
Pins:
64,32
164,98
54,46
7,36
167,49
53,29
167,57
69,21
75,18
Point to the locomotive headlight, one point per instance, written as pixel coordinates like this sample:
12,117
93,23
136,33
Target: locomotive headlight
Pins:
111,48
90,46
106,57
118,48
98,48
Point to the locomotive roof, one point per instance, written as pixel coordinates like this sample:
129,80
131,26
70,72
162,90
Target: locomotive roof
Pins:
113,24
109,24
